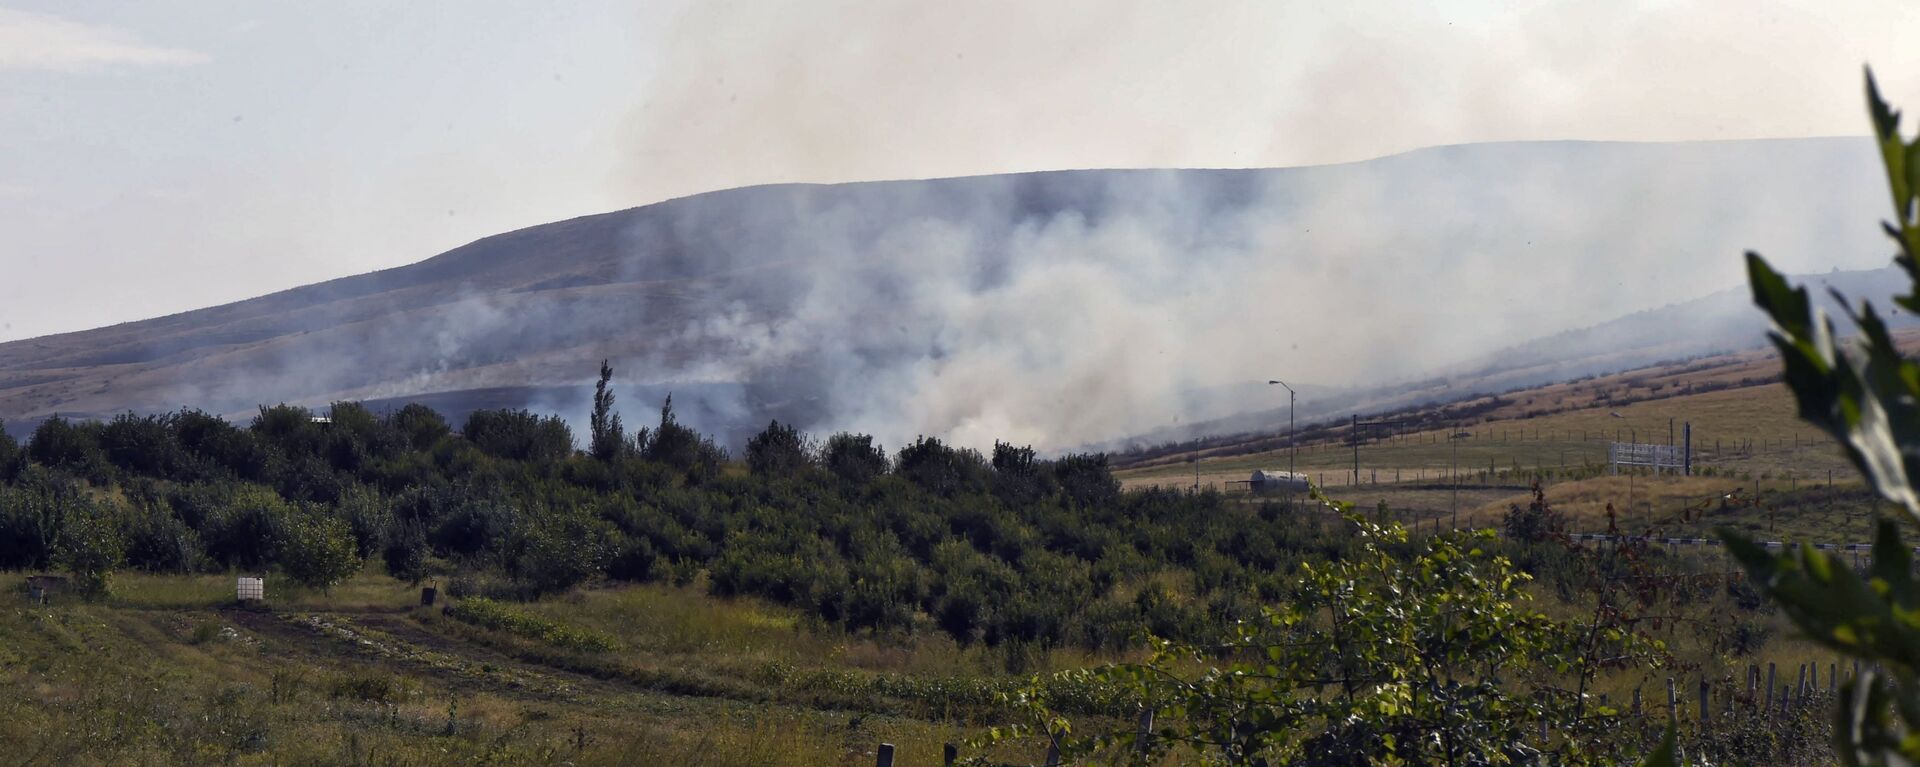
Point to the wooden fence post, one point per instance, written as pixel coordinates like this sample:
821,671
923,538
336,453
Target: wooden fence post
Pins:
1143,737
1703,702
1672,711
1636,701
1769,685
1833,676
884,758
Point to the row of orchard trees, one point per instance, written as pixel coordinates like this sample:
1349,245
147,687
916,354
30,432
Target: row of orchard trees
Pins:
1006,547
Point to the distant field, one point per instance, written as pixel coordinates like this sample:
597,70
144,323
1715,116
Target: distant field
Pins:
1557,431
1743,419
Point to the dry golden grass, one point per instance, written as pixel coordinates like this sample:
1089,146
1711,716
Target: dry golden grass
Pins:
1752,427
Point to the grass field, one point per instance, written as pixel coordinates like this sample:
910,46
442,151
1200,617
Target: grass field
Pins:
1747,440
1750,429
169,670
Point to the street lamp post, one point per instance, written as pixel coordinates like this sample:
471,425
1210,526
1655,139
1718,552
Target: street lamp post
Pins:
1292,450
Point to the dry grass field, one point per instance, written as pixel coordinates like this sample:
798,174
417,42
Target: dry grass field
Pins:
1743,433
1743,419
170,671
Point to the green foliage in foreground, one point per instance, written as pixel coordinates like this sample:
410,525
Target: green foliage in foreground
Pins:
487,613
1868,396
1389,656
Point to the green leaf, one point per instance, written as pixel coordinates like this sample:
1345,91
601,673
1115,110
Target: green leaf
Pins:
1664,755
1787,305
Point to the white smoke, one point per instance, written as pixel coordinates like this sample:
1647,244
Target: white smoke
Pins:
1070,309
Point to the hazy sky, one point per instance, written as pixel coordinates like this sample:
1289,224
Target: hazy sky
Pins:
158,157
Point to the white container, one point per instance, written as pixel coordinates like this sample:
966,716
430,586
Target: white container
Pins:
252,589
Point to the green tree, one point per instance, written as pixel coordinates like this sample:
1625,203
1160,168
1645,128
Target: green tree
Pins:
368,516
779,451
609,436
142,444
853,458
61,444
519,435
680,447
9,452
157,541
216,443
290,429
405,553
1388,656
31,515
419,425
244,528
317,549
940,468
551,555
91,546
1865,393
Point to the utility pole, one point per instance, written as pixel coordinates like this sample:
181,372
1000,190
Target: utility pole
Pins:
1357,423
1454,473
1355,434
1196,469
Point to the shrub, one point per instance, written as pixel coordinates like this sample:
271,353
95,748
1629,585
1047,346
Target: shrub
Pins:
367,516
30,519
518,435
369,687
159,542
91,546
1432,658
419,425
405,554
60,444
778,451
551,556
317,550
853,458
9,453
940,469
243,530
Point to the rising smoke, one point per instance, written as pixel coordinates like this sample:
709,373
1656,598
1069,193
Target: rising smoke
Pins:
1071,308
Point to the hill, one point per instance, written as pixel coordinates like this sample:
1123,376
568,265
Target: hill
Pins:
1061,308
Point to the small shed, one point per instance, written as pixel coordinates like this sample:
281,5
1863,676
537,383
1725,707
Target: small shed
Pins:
1269,481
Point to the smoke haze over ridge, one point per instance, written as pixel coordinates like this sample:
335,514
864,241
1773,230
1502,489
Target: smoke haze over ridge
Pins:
1057,309
209,150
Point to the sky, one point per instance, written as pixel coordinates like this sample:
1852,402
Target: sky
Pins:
165,156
